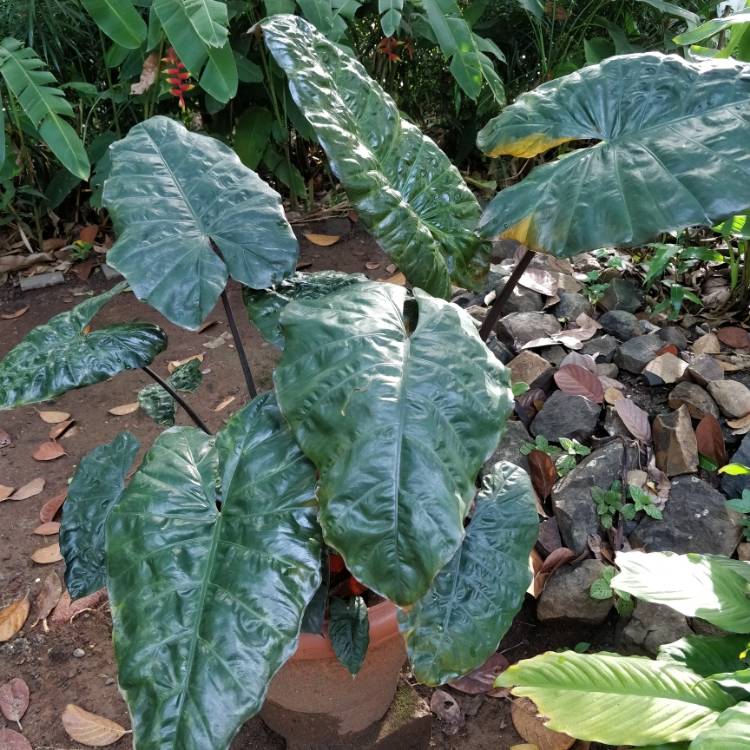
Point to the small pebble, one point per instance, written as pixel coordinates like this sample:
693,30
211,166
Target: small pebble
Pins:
79,653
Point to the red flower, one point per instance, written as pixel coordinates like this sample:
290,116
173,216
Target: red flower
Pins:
178,76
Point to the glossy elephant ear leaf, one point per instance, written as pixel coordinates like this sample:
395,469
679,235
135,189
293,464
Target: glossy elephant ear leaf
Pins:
29,374
459,622
97,485
398,421
170,193
407,193
670,154
349,631
264,306
207,603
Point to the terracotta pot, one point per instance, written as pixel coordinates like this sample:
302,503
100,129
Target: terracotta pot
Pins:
314,700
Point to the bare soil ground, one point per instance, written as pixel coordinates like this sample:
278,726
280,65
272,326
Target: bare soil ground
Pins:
46,660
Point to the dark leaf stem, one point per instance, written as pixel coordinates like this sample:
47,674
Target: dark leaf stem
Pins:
176,396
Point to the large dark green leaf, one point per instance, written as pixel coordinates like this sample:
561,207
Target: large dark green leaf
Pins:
61,355
671,153
264,307
170,192
349,631
97,485
405,189
119,20
398,410
460,621
207,604
707,654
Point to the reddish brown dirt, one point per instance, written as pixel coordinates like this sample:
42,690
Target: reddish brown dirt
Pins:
45,660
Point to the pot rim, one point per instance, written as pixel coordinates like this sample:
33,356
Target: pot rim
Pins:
383,627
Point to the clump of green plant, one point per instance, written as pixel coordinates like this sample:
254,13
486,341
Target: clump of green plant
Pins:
565,455
696,693
742,505
609,503
601,588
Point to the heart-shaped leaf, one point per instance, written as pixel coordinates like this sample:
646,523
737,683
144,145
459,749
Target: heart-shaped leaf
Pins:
634,418
472,601
171,193
90,729
14,699
207,603
28,374
398,403
406,192
580,381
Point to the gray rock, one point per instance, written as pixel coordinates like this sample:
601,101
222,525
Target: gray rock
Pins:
502,352
571,498
504,249
675,445
519,328
734,486
614,426
651,626
608,369
646,326
673,335
553,354
41,280
696,519
731,396
109,273
698,402
521,298
571,305
620,323
705,369
635,354
566,416
601,348
509,448
566,595
622,294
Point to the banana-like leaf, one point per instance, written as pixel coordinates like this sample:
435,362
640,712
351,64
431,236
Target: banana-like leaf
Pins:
44,104
707,654
390,15
96,487
119,20
711,28
586,696
264,307
207,603
208,18
731,731
62,354
459,622
213,66
349,631
170,193
707,586
398,403
671,9
406,191
671,153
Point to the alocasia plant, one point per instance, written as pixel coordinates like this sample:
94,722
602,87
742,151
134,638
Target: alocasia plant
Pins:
363,460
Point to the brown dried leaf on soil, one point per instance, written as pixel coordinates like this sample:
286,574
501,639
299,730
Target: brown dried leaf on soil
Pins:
47,598
634,418
47,529
66,609
50,508
734,336
11,740
53,417
48,451
121,411
322,240
543,473
5,492
88,234
531,727
90,729
5,439
30,489
47,555
578,381
14,700
556,558
224,403
16,314
612,394
710,440
446,708
13,617
582,360
482,679
539,280
58,430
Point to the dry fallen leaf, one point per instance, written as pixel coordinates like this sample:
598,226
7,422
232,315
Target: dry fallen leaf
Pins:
371,265
531,727
12,618
47,555
612,394
47,598
710,440
481,679
66,609
33,488
148,75
543,473
48,529
322,240
11,740
58,430
398,278
734,336
17,314
634,418
90,729
88,233
5,492
446,708
525,746
740,426
14,700
54,417
50,508
48,451
224,403
556,558
5,439
578,381
121,411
